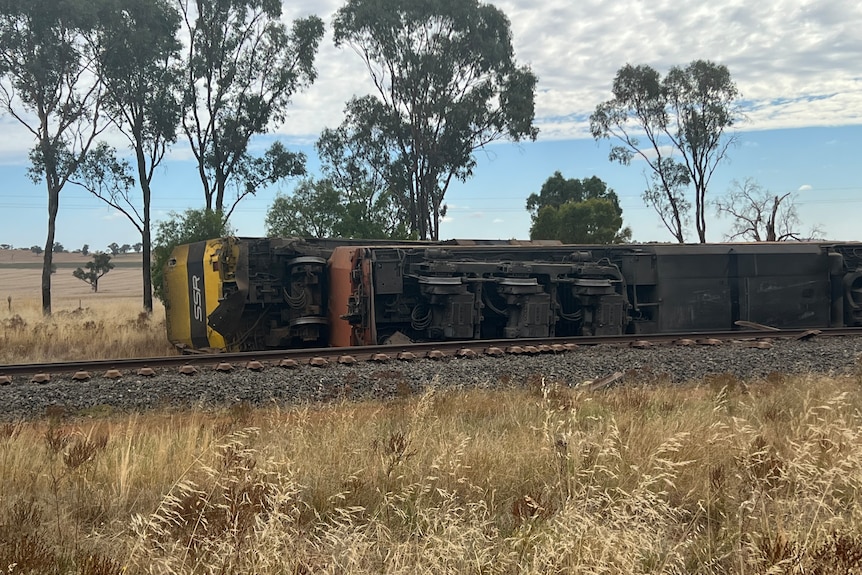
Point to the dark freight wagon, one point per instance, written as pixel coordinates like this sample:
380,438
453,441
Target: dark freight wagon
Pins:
711,287
264,293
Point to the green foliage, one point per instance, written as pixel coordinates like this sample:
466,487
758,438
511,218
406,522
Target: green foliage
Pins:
98,267
576,211
356,163
276,164
242,70
311,211
138,63
107,177
318,209
558,190
447,84
684,119
190,226
85,251
36,249
593,221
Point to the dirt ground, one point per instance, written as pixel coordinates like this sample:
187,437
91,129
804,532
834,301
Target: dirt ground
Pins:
21,277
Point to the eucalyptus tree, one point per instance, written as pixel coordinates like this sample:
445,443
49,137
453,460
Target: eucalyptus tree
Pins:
446,83
138,58
576,211
678,125
313,210
592,221
47,84
356,165
242,67
95,270
319,208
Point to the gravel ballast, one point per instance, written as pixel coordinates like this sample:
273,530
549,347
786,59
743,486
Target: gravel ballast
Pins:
273,385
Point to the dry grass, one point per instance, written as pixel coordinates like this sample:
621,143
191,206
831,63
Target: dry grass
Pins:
706,478
84,325
101,329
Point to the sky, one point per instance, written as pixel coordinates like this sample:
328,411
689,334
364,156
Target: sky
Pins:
796,63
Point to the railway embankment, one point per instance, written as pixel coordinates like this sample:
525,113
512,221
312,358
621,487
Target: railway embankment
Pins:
588,367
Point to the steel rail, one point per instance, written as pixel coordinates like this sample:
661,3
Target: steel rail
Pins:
418,350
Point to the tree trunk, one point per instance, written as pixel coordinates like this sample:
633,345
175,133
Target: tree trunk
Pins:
677,220
220,185
700,215
146,263
771,234
146,242
48,260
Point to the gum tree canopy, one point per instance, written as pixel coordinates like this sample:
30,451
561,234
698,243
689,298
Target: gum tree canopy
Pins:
446,84
577,212
138,62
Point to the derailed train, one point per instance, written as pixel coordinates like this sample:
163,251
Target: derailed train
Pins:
268,293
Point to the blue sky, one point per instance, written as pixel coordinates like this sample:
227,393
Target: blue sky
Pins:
796,63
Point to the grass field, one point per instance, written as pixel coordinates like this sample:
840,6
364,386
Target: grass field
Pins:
21,277
25,259
724,479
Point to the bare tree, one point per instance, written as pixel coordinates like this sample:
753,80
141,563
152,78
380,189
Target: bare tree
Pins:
760,216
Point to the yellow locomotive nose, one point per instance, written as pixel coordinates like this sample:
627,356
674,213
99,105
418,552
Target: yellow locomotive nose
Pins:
193,286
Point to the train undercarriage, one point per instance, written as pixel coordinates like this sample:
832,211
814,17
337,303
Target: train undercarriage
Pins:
265,293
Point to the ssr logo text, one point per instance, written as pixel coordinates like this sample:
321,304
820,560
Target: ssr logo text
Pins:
197,299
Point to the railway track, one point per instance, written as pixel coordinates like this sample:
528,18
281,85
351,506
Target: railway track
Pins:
86,389
319,357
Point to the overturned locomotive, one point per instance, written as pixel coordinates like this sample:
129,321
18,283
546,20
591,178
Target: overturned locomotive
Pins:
269,293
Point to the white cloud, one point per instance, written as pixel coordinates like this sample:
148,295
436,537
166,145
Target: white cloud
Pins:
795,61
652,154
113,215
805,188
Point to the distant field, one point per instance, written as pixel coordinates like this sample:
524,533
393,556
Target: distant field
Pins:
84,325
66,265
27,259
21,276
